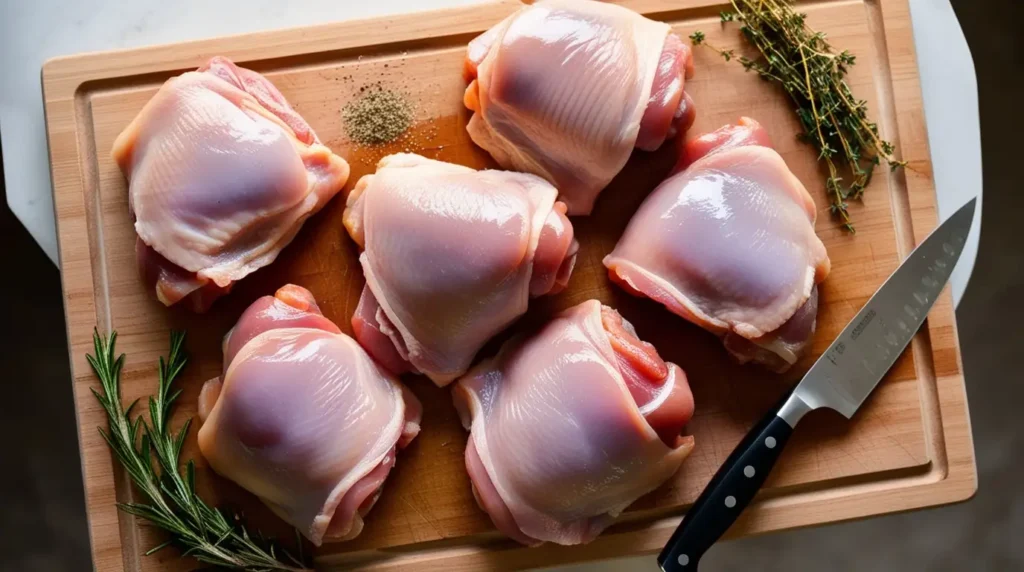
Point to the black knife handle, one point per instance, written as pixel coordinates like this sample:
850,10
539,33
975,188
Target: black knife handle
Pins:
729,492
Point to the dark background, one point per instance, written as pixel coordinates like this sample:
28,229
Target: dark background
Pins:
42,518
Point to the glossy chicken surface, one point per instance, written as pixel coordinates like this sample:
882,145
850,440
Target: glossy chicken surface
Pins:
566,89
303,418
451,257
570,425
728,243
222,173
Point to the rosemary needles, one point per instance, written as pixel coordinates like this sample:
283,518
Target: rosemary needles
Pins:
173,504
803,63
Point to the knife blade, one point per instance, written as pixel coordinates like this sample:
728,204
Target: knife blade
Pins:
841,379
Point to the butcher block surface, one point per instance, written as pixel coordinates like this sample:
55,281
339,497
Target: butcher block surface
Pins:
910,446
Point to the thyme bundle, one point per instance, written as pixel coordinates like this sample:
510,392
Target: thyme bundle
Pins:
803,63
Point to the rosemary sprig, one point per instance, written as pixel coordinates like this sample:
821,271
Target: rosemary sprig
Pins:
174,505
804,64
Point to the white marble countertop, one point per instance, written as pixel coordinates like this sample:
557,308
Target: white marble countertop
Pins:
31,31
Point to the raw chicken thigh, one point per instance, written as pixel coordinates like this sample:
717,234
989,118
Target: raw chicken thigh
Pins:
565,89
222,173
451,257
303,418
571,425
728,243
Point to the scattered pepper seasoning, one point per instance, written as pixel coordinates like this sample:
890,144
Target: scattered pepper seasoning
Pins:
377,116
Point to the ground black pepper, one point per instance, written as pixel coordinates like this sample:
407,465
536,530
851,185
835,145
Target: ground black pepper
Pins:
378,116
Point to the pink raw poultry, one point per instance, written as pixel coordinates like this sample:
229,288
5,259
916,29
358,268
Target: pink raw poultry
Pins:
565,89
303,418
571,425
452,257
728,243
222,174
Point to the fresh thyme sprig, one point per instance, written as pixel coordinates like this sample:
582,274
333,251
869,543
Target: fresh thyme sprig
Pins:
804,64
174,505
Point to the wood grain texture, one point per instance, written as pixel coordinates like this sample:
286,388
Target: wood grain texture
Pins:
909,447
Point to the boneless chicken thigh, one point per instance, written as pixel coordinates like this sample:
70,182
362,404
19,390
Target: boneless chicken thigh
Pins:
451,257
728,243
303,418
566,89
569,426
222,173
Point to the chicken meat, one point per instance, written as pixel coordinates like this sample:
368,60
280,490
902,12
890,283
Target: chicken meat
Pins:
451,257
728,243
222,173
566,89
569,426
303,418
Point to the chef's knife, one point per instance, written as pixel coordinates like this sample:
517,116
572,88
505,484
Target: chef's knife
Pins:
841,379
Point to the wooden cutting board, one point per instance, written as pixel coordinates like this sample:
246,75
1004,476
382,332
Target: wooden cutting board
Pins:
909,447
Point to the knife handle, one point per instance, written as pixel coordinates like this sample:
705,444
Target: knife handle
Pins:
729,492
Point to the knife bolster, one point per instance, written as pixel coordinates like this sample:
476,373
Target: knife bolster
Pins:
794,409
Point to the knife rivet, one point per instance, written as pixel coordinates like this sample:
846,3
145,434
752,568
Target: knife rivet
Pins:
683,560
749,472
730,501
770,442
